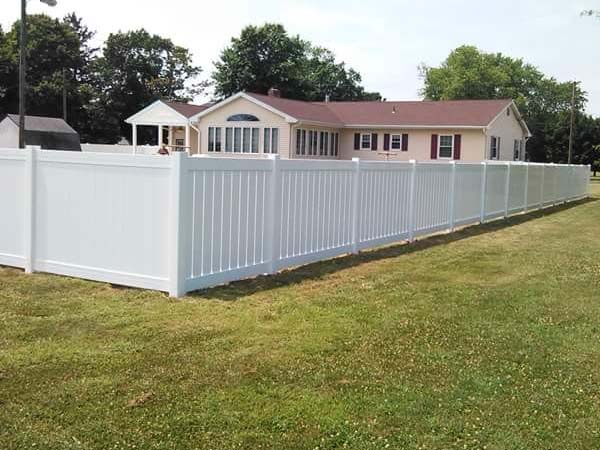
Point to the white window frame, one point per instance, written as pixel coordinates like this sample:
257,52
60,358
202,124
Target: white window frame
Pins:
362,141
517,150
495,147
439,149
399,138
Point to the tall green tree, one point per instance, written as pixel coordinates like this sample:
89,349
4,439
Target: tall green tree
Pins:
137,68
469,73
267,56
52,45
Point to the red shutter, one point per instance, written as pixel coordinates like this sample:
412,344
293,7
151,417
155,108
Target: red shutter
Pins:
374,141
356,141
386,141
434,146
457,143
405,142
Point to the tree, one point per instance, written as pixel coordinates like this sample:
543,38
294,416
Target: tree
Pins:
52,45
137,68
266,56
468,73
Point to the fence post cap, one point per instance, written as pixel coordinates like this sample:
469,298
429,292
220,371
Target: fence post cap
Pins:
273,156
412,161
355,159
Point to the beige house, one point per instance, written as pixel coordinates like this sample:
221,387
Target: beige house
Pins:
254,125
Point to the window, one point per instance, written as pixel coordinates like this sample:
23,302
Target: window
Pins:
310,142
365,141
214,139
315,140
246,140
495,148
237,140
337,136
242,118
303,142
267,141
271,140
331,144
325,143
516,153
255,134
298,141
396,142
179,145
274,140
211,139
446,147
228,139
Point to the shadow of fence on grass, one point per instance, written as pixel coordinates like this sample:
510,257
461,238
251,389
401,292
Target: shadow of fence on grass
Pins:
237,289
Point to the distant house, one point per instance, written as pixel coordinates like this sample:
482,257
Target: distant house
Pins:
47,132
248,124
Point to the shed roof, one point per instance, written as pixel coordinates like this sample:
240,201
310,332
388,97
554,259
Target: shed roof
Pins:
43,124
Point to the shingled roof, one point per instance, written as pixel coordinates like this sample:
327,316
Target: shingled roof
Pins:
466,113
187,109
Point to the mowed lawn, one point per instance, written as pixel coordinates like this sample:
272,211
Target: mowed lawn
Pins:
485,339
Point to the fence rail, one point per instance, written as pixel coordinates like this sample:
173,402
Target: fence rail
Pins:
179,224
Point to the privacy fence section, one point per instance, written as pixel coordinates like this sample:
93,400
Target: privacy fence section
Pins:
183,223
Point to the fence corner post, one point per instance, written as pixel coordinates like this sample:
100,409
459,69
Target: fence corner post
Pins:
355,198
507,190
176,237
526,195
483,191
273,219
30,207
452,196
589,181
411,206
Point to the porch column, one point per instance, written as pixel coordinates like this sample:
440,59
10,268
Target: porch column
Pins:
187,138
160,136
134,139
170,138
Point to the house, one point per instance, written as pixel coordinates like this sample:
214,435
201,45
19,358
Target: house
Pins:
248,124
47,132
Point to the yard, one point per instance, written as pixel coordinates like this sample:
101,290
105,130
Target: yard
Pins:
487,338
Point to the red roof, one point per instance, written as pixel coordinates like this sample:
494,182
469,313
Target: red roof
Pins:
301,110
187,109
476,113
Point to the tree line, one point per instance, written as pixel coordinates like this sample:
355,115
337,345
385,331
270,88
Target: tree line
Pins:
106,85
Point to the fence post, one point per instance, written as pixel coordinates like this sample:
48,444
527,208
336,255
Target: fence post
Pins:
177,273
355,203
30,207
588,191
526,187
554,184
507,190
483,189
272,217
411,205
452,195
542,188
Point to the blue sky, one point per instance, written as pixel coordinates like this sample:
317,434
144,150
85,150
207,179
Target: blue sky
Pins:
384,40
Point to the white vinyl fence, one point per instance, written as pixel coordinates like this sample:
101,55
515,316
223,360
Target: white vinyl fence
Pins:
177,224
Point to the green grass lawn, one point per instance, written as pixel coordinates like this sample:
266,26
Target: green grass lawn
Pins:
485,339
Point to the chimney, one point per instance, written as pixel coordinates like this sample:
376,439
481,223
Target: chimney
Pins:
274,92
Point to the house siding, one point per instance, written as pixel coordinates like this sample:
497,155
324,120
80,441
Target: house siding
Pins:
9,134
507,128
419,144
267,119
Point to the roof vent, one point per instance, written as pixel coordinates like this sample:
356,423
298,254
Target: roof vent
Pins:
274,92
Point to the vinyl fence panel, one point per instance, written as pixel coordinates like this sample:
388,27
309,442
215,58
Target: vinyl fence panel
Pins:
13,200
183,223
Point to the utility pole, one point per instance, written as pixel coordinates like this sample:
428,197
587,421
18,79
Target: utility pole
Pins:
64,93
22,71
572,123
23,68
